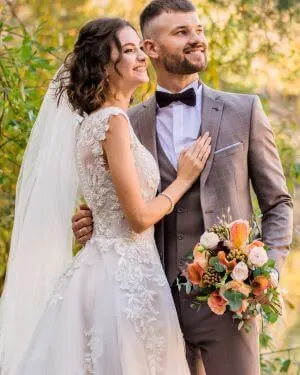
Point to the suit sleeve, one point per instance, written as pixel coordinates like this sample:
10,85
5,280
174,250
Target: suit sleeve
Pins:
269,184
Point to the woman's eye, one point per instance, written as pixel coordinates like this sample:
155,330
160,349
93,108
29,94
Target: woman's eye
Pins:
129,50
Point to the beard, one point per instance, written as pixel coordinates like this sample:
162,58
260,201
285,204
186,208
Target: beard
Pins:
175,64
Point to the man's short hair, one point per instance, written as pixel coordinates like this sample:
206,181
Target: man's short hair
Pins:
157,7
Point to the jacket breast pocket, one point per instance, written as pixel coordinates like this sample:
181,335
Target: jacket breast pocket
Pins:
228,150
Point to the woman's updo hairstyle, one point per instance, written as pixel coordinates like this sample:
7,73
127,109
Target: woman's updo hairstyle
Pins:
83,76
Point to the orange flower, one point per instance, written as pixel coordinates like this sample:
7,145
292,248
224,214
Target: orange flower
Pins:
259,284
217,303
239,232
194,273
255,243
223,260
202,260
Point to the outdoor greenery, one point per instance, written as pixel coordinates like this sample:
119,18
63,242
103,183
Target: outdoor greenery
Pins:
253,47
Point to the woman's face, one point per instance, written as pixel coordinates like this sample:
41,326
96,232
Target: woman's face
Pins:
133,63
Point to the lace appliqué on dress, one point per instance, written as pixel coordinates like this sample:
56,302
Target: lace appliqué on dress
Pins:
139,273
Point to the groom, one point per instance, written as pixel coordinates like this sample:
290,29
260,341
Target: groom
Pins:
243,150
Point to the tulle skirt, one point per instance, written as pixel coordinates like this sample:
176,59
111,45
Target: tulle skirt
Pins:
111,313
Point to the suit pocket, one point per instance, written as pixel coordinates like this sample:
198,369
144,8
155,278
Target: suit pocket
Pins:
228,150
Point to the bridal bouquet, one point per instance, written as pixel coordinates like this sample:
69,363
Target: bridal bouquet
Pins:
231,271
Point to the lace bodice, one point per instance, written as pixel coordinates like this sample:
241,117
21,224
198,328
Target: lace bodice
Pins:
98,189
115,286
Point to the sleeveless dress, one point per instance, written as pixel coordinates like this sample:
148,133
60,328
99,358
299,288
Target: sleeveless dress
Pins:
111,312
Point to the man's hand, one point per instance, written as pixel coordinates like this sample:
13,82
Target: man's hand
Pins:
82,224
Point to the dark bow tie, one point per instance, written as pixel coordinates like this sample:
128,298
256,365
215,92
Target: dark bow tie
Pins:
187,97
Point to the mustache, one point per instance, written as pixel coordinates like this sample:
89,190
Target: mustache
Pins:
191,47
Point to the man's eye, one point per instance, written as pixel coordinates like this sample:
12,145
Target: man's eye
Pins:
181,32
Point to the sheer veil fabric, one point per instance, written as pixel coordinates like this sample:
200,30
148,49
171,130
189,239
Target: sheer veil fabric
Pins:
41,243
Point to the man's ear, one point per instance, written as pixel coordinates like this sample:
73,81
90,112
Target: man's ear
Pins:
150,48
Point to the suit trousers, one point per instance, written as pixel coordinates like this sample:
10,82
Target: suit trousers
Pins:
215,340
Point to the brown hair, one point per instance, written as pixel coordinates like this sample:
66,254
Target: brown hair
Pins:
157,7
83,74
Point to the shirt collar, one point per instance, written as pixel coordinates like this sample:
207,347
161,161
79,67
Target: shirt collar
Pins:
196,85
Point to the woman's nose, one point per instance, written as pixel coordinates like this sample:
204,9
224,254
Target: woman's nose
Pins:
141,55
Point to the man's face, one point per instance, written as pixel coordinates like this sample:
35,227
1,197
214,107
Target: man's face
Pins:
179,42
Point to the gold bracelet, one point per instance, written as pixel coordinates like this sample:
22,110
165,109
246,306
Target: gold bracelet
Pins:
171,201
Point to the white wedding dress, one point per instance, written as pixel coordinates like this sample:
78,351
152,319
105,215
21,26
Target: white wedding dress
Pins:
111,312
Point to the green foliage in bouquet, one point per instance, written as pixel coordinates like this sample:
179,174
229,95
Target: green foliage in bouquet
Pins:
230,270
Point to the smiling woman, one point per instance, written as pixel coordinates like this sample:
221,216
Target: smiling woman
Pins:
96,64
115,287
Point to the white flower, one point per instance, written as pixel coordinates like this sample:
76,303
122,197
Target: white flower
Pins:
240,272
209,240
258,256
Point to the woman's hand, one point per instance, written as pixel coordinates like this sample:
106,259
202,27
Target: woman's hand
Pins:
192,161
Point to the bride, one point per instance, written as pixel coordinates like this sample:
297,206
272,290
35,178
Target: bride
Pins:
109,310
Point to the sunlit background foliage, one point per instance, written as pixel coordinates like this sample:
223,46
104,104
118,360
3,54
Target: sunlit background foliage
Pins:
253,47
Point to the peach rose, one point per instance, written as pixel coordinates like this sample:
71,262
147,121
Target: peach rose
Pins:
259,284
217,303
194,273
255,243
239,232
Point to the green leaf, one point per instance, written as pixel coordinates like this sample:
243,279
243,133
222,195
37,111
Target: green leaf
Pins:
270,263
188,287
265,339
40,63
223,281
247,327
219,267
202,298
272,317
26,51
7,38
285,365
235,305
213,261
233,295
178,286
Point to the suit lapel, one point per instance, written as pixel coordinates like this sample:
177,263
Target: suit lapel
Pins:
147,126
212,110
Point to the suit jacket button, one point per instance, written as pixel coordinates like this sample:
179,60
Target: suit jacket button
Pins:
180,236
180,210
181,264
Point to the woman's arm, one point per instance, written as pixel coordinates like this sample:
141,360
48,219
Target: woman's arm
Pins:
141,214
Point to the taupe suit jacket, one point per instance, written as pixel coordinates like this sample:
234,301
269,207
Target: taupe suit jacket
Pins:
243,150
